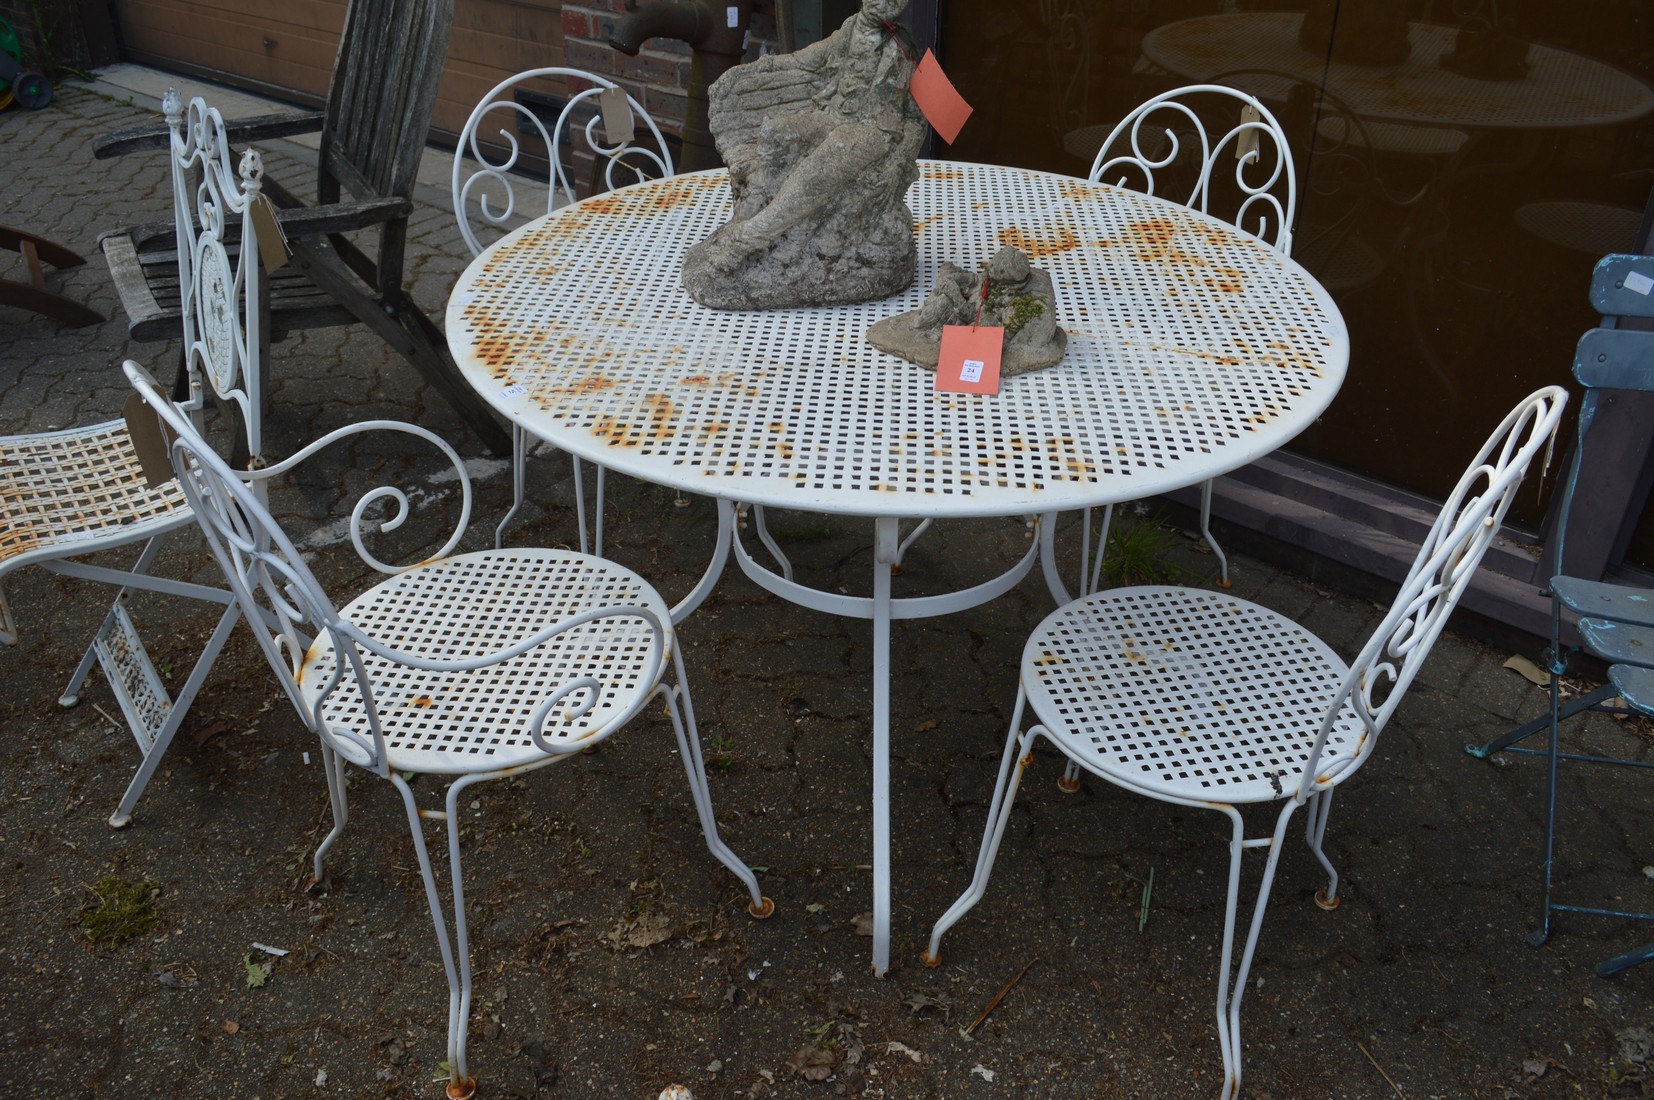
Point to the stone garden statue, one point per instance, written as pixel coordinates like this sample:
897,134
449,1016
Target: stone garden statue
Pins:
822,146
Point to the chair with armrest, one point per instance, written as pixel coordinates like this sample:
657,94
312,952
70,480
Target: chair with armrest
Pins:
1615,622
1199,699
373,129
488,176
463,667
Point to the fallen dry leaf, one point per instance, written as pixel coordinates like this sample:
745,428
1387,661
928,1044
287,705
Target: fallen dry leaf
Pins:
811,1063
1529,671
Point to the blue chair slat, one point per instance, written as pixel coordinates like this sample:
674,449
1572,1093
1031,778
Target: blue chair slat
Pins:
1635,685
1615,359
1600,600
1618,289
1618,643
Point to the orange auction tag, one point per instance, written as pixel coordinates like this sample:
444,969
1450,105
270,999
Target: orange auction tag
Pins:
970,359
944,108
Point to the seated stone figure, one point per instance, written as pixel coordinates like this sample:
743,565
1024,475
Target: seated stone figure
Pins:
821,146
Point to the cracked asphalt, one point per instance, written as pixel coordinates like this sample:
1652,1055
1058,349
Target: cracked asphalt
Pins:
613,955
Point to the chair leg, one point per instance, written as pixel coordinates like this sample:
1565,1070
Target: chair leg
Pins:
1206,533
597,520
71,691
456,961
1013,762
579,500
1229,996
333,767
682,712
769,542
519,465
1558,665
157,748
1315,833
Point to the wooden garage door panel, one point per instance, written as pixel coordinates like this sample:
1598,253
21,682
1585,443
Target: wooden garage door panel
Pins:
288,48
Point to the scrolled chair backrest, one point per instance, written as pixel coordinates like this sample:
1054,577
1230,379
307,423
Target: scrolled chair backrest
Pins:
283,603
1166,142
1467,525
219,268
490,137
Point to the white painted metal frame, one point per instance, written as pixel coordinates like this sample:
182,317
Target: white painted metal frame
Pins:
1192,133
473,666
577,328
490,137
1200,699
71,493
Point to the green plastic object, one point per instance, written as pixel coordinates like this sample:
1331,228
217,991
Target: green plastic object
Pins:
9,42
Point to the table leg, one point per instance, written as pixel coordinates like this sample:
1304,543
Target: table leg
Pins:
714,568
886,552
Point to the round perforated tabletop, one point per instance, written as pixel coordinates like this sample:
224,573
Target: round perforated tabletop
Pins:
1193,349
1560,89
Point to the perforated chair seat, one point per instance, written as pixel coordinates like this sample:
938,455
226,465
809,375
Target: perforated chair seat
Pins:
1187,694
470,604
76,491
79,485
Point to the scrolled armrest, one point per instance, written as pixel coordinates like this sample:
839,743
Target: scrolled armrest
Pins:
384,492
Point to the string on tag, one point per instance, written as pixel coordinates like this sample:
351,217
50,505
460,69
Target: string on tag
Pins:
904,37
980,302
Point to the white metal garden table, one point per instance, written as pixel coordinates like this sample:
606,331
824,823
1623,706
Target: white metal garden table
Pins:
1193,350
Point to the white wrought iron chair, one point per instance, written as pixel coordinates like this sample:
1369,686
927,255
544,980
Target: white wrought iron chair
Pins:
488,176
1180,145
81,491
470,666
1204,700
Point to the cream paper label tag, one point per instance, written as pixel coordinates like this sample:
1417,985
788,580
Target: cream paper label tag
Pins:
618,125
272,241
148,440
1247,143
1638,283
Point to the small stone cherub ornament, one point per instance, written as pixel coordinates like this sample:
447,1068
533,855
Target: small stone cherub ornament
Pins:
1019,298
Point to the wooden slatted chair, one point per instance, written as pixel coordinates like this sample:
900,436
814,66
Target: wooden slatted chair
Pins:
373,130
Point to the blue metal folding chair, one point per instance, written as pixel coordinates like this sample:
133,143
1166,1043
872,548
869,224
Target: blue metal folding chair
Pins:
1616,622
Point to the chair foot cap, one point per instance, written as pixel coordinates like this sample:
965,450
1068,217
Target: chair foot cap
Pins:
932,961
118,820
589,750
67,700
761,910
1329,904
315,888
1537,939
462,1089
1067,785
1225,583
